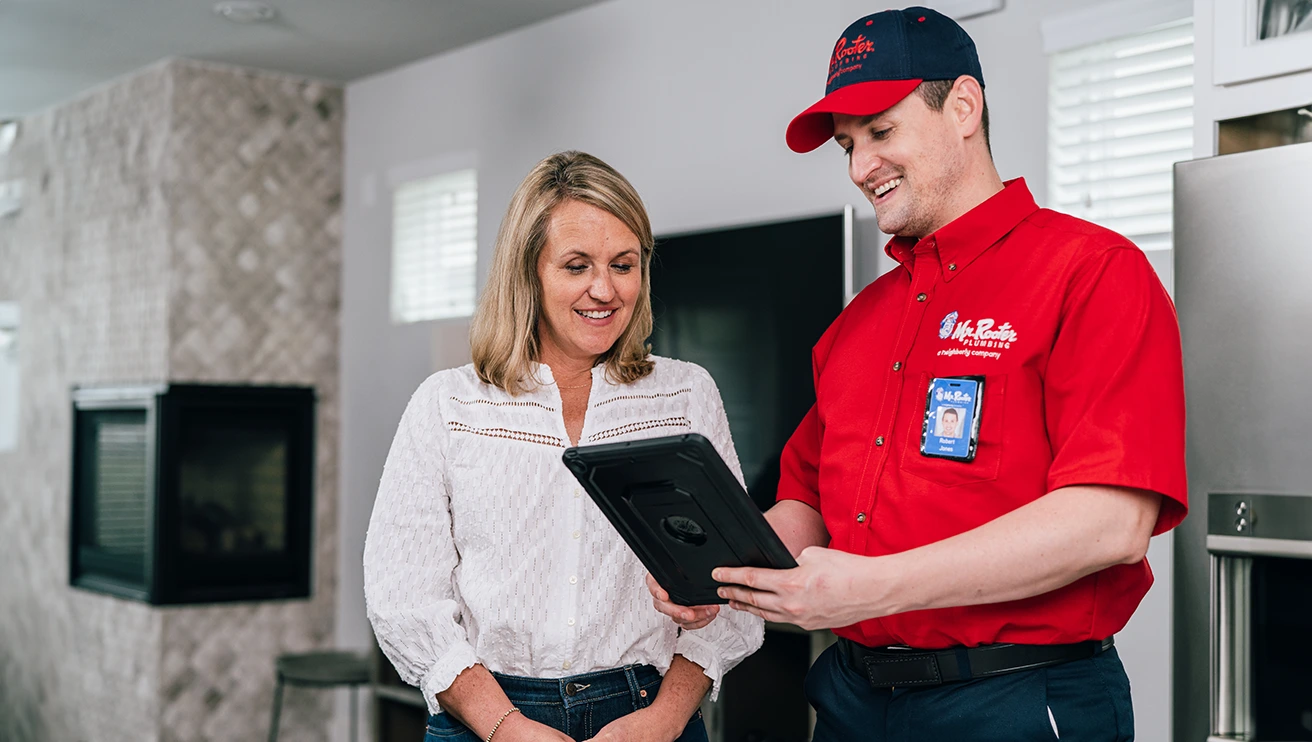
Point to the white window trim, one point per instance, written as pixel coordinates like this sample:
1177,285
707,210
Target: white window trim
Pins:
1109,20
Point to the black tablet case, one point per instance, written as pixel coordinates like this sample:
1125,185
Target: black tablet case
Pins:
680,509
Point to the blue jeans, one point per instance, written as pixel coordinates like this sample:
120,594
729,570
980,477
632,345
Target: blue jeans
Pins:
1085,700
607,695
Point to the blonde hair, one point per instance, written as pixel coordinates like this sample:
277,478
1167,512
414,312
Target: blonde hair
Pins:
503,336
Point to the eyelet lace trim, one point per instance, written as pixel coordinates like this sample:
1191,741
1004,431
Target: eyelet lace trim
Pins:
468,402
657,395
516,404
669,422
514,435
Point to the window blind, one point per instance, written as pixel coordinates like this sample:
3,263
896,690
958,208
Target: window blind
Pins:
434,247
1120,114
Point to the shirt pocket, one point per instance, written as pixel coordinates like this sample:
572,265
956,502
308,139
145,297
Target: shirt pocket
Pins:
988,454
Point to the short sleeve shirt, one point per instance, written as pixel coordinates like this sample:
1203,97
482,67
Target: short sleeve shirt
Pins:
1079,348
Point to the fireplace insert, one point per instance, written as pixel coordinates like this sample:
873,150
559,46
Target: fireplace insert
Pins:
189,493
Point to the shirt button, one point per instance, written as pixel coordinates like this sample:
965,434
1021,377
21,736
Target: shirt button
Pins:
578,493
879,440
564,665
570,622
573,580
952,266
897,366
922,297
575,534
860,517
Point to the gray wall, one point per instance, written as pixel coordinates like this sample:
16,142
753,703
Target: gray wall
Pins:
253,183
181,224
663,92
87,262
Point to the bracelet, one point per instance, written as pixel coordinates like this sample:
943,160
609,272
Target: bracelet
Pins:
497,725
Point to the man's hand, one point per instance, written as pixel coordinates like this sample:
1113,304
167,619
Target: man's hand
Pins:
644,725
688,617
826,590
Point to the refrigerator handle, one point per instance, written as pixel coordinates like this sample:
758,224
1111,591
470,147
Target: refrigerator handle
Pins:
1231,650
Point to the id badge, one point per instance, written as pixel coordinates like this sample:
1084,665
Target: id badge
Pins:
953,407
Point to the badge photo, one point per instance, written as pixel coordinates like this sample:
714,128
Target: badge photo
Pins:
953,406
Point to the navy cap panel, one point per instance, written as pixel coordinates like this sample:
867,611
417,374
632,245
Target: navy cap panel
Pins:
941,48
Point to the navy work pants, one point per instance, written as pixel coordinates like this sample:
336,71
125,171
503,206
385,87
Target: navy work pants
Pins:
1083,700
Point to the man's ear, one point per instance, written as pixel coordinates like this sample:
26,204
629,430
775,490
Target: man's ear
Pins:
965,104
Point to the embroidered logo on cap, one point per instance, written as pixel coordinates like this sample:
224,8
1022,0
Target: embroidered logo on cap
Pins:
848,55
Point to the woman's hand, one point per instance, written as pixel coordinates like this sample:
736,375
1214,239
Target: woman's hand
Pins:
649,724
476,700
520,728
682,690
687,617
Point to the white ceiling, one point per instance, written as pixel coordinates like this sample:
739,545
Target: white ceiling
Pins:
51,50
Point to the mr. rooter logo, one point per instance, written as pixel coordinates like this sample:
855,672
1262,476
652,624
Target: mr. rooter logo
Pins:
842,51
846,52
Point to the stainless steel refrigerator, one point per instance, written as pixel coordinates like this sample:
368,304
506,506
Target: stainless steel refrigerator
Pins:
1243,557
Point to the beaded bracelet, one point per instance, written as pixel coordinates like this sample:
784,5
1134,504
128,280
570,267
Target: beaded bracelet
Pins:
497,726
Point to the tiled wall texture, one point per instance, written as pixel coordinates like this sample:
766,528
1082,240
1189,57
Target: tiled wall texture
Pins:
181,224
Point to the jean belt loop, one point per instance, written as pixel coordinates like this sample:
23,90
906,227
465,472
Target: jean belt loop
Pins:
632,677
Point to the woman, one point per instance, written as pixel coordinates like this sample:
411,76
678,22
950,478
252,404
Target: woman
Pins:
492,583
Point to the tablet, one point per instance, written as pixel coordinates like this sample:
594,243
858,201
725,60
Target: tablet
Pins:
680,509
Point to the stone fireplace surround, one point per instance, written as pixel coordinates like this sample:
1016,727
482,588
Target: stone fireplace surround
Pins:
180,224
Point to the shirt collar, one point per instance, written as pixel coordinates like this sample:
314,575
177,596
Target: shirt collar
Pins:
962,240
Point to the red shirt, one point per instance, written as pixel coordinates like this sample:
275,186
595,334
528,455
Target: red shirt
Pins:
1079,348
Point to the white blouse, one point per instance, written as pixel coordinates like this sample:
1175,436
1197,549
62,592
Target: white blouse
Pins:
483,548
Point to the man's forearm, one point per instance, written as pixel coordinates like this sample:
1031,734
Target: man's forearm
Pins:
798,525
1046,545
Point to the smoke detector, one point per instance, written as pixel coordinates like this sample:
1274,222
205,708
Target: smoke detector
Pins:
245,11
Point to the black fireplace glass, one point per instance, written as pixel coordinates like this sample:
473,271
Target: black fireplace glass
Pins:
231,482
1282,655
188,493
114,451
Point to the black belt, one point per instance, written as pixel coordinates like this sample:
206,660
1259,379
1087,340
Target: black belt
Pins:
888,667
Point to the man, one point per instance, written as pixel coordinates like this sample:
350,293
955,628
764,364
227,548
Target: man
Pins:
975,588
948,421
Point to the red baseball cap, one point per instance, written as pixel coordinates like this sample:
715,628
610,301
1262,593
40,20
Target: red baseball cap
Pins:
878,61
